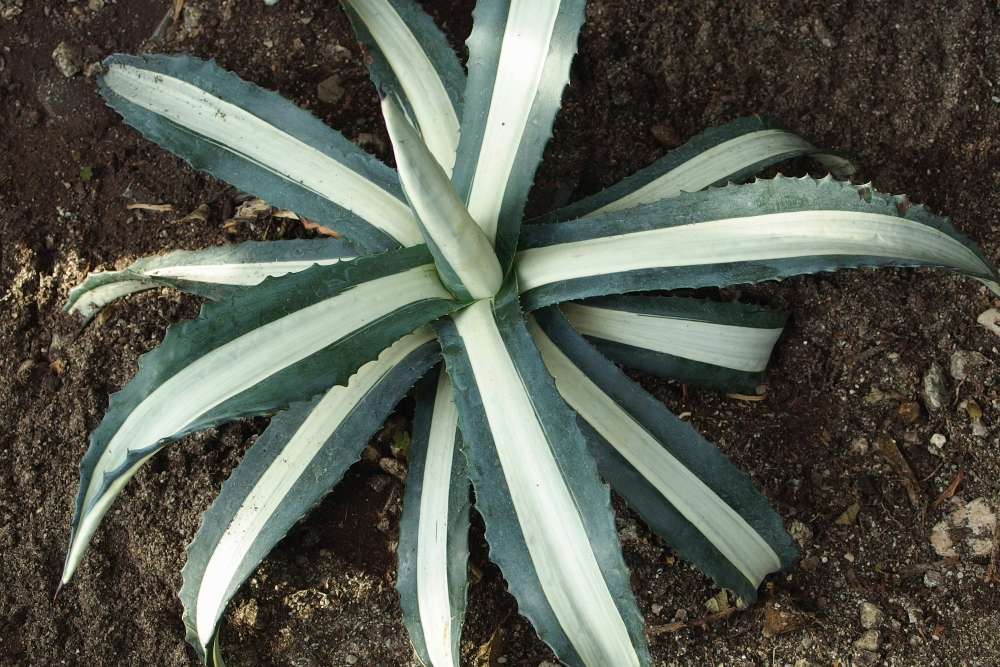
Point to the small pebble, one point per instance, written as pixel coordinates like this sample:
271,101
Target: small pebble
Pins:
870,641
935,393
938,440
859,446
870,615
849,557
330,90
351,659
656,608
807,642
801,533
681,615
67,59
933,579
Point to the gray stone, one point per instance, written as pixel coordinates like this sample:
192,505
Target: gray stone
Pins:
933,579
871,616
330,90
870,641
935,393
963,362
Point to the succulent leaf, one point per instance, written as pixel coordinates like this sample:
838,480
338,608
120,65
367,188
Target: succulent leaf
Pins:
730,152
204,114
711,344
409,58
213,273
548,516
432,553
299,458
265,347
685,489
766,230
519,53
464,257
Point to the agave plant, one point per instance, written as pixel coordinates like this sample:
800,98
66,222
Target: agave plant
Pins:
511,332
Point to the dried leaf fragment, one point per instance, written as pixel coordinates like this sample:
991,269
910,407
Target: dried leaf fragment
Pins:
318,228
849,516
950,491
200,214
895,458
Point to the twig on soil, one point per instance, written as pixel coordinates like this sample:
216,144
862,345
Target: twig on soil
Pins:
950,491
150,207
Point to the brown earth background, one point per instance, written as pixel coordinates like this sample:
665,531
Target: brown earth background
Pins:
911,87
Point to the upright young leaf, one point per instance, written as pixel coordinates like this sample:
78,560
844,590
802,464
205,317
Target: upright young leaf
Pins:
261,143
707,238
432,553
464,257
213,273
685,489
519,57
299,458
548,516
284,340
711,344
730,152
410,59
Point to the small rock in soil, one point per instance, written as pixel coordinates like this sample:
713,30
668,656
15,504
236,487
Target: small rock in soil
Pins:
871,616
395,468
666,135
330,90
938,441
859,446
67,59
935,393
933,579
870,641
801,533
990,319
781,617
963,362
681,615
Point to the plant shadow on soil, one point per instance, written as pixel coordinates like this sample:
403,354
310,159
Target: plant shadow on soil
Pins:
909,88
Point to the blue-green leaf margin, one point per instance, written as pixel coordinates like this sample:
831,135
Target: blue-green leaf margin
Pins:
503,533
696,453
269,106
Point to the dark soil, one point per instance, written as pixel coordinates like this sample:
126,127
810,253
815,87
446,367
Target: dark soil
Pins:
910,87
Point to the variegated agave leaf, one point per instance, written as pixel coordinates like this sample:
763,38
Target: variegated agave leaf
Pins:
528,407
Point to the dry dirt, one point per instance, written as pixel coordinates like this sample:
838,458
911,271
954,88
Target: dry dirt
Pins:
911,87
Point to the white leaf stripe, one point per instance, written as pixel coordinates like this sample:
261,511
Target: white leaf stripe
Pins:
238,365
91,302
433,591
418,77
560,550
523,53
722,525
269,492
741,348
711,166
749,239
231,128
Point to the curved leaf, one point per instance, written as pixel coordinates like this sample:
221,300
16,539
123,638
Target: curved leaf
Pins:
284,340
548,516
714,345
433,550
730,152
708,238
464,257
303,453
685,489
261,143
519,57
213,273
409,58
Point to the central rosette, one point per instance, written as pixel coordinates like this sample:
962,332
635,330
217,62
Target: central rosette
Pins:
465,259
